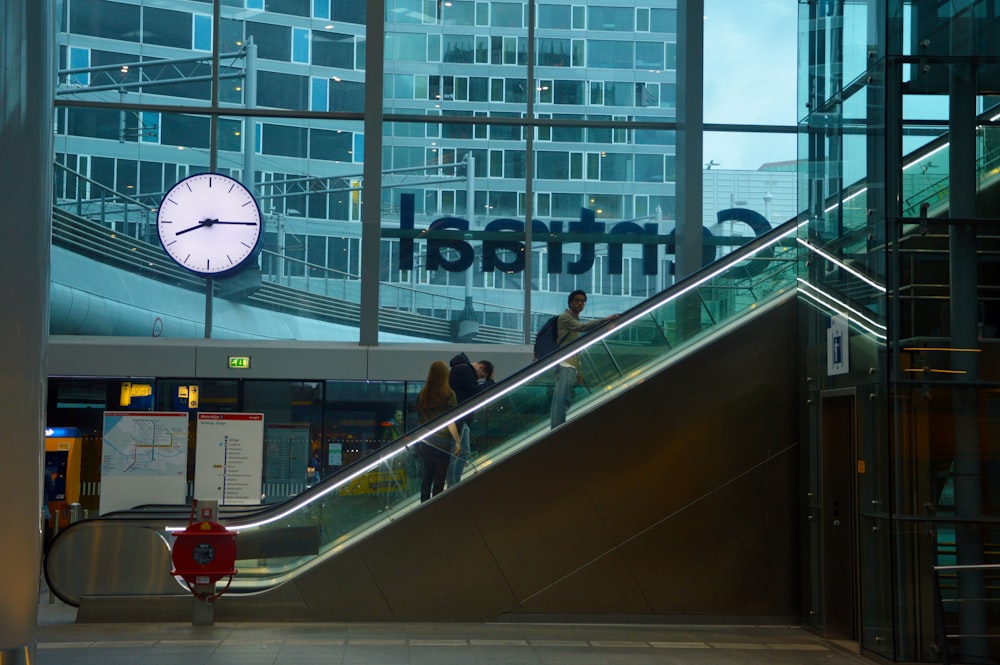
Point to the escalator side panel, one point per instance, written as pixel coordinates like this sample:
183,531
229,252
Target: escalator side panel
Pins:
676,498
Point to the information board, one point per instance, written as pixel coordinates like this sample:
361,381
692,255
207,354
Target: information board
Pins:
228,461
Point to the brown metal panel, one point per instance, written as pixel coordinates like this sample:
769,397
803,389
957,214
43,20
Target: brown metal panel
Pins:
344,589
606,583
435,565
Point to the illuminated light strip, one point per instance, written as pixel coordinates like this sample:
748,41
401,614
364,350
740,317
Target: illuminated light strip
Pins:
923,157
852,196
873,327
941,348
832,259
817,294
543,367
937,371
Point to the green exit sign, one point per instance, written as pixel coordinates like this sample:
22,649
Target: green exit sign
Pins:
239,362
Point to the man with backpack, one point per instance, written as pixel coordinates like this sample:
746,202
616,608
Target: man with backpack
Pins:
568,373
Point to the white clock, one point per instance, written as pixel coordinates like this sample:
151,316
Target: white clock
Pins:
210,224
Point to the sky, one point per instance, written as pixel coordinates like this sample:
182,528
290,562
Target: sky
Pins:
750,77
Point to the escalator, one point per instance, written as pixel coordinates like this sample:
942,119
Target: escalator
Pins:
676,453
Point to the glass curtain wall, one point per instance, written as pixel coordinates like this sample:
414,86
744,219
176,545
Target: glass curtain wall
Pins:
492,113
901,342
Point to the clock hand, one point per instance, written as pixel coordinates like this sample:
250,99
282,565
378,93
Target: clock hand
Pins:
202,223
210,222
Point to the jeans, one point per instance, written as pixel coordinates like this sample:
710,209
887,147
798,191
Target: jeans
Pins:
457,464
563,393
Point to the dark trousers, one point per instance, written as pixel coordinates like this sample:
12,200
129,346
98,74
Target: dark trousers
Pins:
435,471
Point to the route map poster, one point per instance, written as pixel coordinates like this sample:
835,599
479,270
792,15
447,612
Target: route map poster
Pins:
143,459
229,458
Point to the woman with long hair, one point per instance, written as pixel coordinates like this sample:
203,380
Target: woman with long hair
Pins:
437,397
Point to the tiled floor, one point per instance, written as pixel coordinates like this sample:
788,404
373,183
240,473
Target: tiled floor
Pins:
61,640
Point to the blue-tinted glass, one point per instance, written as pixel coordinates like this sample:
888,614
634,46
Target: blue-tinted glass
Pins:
332,49
619,93
554,16
663,20
606,54
167,28
321,8
407,47
459,48
506,15
403,11
202,32
649,55
359,148
300,45
79,58
319,94
554,52
459,13
150,127
611,18
649,168
403,86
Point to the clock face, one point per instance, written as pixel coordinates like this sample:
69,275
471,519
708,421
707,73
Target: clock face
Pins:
210,224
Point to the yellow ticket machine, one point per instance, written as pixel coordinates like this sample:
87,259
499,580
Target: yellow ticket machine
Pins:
63,450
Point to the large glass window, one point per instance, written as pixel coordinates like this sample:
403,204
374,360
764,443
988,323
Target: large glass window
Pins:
457,84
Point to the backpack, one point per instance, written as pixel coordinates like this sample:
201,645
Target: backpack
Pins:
546,341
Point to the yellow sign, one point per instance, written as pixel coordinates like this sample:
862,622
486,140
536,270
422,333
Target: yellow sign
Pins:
130,390
376,482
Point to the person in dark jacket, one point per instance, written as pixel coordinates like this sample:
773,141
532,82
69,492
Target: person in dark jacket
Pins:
486,374
464,380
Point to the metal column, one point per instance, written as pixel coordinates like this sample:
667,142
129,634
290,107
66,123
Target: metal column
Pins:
27,84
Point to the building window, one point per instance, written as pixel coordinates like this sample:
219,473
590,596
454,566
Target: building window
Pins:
202,32
556,17
459,12
167,28
300,45
332,49
506,14
608,54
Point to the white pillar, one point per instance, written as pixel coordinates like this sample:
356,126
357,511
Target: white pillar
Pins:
27,82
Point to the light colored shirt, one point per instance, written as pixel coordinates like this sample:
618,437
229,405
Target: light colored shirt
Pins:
568,329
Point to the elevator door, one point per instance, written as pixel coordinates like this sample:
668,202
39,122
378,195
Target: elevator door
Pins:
839,512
